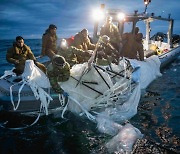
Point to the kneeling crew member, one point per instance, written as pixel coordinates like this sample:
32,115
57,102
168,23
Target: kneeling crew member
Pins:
58,71
72,54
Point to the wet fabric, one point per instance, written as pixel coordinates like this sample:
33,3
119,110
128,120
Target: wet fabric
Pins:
37,81
148,69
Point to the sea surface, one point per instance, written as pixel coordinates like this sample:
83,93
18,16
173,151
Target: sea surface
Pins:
158,118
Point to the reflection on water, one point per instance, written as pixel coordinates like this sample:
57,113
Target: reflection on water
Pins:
157,118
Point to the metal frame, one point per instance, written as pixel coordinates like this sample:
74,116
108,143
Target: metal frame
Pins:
134,18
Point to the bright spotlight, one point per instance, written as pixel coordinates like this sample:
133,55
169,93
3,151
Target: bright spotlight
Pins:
64,44
121,16
98,15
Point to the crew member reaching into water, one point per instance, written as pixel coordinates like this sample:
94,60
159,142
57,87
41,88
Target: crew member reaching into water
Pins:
19,53
58,71
49,42
72,54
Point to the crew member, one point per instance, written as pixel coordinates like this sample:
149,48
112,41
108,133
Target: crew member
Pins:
19,53
111,30
72,54
58,71
49,42
106,53
82,41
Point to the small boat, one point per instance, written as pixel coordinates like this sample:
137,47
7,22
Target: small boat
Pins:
166,46
15,98
91,89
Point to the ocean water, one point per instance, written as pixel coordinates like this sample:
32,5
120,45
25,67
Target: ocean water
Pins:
158,118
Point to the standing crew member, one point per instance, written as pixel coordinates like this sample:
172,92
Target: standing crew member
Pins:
19,53
111,31
49,42
139,47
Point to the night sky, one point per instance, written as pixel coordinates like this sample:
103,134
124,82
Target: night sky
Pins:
30,18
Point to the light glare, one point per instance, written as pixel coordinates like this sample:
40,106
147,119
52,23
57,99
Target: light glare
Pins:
121,16
98,15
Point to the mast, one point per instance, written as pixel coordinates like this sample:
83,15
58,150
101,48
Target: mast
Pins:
96,25
170,32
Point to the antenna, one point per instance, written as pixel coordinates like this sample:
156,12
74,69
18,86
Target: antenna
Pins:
146,3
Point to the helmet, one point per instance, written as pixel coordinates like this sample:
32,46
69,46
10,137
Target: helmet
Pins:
63,43
105,39
58,60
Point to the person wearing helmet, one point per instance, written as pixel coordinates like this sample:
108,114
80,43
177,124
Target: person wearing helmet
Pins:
72,54
82,41
58,71
19,53
111,30
49,42
106,53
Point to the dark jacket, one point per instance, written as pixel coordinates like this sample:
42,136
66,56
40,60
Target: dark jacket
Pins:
18,56
82,43
131,48
49,44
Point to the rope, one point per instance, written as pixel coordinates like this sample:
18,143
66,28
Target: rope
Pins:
11,95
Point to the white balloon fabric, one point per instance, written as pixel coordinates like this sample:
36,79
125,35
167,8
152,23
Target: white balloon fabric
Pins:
37,80
148,70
